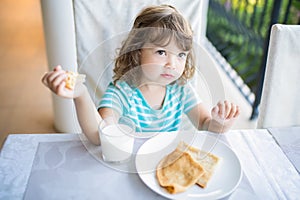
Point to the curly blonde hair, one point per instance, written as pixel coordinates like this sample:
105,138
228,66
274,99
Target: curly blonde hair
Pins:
157,25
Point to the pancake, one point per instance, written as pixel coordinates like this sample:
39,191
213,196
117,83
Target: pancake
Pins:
178,171
207,160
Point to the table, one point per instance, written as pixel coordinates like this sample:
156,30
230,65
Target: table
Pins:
58,166
288,139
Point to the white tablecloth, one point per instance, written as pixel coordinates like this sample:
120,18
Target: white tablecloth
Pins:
57,166
289,140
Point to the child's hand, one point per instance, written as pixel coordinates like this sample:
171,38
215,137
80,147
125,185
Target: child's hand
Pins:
223,116
56,81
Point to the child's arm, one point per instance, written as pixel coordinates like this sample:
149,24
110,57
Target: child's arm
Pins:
87,114
108,112
220,119
88,117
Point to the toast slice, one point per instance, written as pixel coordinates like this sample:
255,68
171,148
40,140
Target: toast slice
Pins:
178,171
72,78
207,160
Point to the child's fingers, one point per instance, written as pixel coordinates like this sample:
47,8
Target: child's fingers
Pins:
54,79
238,111
50,76
44,78
231,111
227,109
221,107
61,89
59,80
53,76
215,112
57,68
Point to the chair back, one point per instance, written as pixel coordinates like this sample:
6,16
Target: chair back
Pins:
281,90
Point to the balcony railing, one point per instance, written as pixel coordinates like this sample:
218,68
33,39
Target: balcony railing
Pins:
240,31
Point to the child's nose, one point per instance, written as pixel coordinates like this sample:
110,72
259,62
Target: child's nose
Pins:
171,62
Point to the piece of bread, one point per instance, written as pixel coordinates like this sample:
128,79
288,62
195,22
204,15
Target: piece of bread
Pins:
207,160
178,171
72,78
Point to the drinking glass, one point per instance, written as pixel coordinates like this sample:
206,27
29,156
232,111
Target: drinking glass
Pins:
117,139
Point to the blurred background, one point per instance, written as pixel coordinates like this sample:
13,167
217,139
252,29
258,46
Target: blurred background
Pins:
25,103
240,31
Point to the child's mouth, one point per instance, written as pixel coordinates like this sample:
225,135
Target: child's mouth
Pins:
168,76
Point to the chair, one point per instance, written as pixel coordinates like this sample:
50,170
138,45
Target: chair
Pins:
83,36
281,89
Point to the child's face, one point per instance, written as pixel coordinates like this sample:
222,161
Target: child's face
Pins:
162,65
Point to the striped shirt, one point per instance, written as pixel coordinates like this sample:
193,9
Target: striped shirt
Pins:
129,102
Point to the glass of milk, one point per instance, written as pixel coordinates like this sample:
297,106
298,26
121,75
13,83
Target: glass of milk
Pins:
117,139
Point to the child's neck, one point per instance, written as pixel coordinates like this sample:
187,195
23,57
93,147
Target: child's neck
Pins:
154,94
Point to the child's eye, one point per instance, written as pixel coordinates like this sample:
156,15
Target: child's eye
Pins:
182,55
161,52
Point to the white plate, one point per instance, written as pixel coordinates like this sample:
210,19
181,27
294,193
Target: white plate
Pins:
227,175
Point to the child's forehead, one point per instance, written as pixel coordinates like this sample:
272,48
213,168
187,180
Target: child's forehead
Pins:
151,45
171,46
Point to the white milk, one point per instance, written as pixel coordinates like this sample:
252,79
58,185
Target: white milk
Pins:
115,144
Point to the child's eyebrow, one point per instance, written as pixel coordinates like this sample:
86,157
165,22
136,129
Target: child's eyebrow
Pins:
158,47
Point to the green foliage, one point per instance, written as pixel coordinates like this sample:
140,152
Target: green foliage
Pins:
238,29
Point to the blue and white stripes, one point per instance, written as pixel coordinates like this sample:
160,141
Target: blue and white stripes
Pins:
130,102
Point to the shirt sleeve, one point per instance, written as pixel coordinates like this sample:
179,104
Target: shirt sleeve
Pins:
191,98
111,99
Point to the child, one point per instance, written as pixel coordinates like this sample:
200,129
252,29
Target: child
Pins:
150,83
